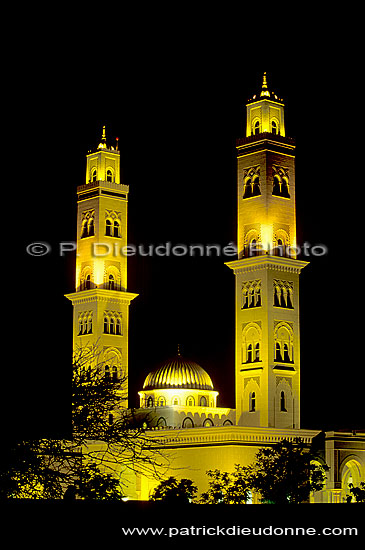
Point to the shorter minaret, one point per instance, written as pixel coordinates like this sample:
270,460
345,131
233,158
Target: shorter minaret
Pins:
101,301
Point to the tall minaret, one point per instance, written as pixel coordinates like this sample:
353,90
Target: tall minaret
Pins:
267,271
101,301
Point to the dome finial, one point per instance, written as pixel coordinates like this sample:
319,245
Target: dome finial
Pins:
264,90
178,349
102,144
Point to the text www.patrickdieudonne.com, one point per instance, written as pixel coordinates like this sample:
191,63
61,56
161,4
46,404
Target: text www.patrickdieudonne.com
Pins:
236,530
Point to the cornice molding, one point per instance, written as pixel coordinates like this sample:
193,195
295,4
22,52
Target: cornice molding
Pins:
101,295
257,263
229,435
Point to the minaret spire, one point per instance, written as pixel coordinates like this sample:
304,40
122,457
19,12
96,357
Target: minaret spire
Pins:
264,90
102,144
103,136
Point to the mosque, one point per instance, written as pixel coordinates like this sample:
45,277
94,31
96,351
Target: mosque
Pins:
195,433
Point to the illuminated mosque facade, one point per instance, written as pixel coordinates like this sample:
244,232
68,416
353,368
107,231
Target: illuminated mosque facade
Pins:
196,434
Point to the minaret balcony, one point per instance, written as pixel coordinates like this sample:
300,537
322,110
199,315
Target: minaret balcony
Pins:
102,184
265,136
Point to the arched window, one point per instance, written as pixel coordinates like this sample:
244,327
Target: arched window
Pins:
280,182
109,175
161,402
258,296
175,401
112,326
106,325
251,340
116,229
251,182
93,174
190,401
285,188
107,372
274,127
281,244
87,282
251,297
253,248
161,422
187,422
84,229
111,283
286,358
284,342
108,228
90,325
282,402
278,356
115,373
118,327
252,404
245,298
279,248
91,228
150,402
277,294
208,423
256,128
255,186
276,189
249,354
203,401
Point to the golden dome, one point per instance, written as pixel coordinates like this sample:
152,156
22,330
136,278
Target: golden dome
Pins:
178,373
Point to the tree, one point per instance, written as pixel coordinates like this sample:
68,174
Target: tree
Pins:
286,473
173,491
99,414
225,488
29,469
358,492
96,485
106,438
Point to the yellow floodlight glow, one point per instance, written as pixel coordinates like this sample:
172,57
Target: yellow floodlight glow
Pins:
266,237
98,273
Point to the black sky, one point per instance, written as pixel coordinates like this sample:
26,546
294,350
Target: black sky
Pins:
178,110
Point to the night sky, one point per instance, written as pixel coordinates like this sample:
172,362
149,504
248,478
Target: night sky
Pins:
177,113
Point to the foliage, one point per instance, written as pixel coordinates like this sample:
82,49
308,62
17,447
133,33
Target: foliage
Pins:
358,492
96,485
29,469
99,414
281,474
225,488
286,473
106,438
173,491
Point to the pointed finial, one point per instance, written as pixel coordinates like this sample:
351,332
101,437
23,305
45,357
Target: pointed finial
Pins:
102,144
264,81
264,90
178,349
